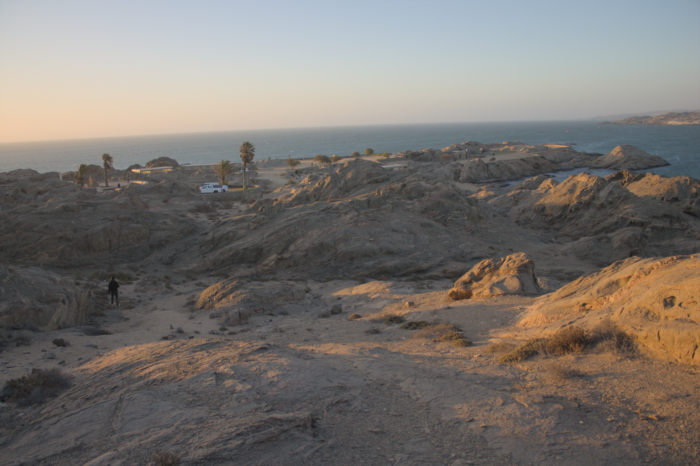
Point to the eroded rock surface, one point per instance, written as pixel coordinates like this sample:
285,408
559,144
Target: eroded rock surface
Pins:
514,275
657,300
36,297
629,158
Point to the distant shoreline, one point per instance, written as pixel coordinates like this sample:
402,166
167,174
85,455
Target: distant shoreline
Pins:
667,119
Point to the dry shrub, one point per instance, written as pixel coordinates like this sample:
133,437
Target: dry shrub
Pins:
36,387
524,351
354,317
609,338
434,332
164,458
500,348
416,325
373,331
456,338
559,372
393,319
567,340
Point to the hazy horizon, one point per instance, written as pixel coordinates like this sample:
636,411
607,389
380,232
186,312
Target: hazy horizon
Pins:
83,70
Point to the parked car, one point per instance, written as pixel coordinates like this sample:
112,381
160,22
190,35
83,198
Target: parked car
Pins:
209,188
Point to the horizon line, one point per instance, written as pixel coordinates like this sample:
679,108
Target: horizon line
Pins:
285,128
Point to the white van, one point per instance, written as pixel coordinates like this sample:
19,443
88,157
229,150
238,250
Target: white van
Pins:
209,188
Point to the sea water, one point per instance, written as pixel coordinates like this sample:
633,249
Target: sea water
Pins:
680,145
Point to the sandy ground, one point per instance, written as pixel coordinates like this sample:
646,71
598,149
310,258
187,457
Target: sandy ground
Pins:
422,402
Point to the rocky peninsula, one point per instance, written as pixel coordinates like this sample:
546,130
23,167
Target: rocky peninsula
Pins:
440,306
671,118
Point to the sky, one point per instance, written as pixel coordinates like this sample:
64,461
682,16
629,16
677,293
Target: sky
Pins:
101,68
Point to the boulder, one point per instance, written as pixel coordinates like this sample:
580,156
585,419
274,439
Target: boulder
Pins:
514,274
655,300
629,158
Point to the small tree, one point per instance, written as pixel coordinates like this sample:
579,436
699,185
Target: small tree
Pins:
223,169
80,174
369,151
247,154
355,154
107,164
335,158
386,155
292,162
322,159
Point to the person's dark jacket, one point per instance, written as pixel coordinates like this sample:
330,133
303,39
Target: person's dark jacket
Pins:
113,286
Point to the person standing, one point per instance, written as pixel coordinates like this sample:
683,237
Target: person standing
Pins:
113,289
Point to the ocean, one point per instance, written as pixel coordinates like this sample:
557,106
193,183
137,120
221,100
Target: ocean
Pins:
680,145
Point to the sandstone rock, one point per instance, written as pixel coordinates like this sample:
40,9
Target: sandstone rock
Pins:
35,297
478,171
629,158
606,220
656,300
514,274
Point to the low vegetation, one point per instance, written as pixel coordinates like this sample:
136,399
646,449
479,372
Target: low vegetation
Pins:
35,388
606,337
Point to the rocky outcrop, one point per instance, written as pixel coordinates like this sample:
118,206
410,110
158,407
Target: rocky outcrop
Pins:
605,220
629,158
359,221
67,225
656,300
478,171
162,162
514,274
34,297
234,300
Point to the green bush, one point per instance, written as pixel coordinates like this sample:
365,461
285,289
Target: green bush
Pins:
355,154
335,158
292,162
369,151
323,159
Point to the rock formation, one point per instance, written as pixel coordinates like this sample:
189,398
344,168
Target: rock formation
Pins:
605,220
32,296
657,300
629,158
514,274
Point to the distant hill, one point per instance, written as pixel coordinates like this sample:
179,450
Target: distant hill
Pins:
671,118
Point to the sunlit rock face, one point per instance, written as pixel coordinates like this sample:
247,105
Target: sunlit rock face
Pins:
514,275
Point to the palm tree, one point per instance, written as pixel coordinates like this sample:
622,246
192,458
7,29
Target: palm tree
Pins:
107,164
247,154
223,169
80,174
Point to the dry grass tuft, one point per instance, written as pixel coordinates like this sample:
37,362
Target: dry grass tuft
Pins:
373,331
559,372
456,338
354,317
529,348
609,338
567,340
500,348
416,325
435,331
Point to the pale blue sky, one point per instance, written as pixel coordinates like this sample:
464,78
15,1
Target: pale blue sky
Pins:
73,69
